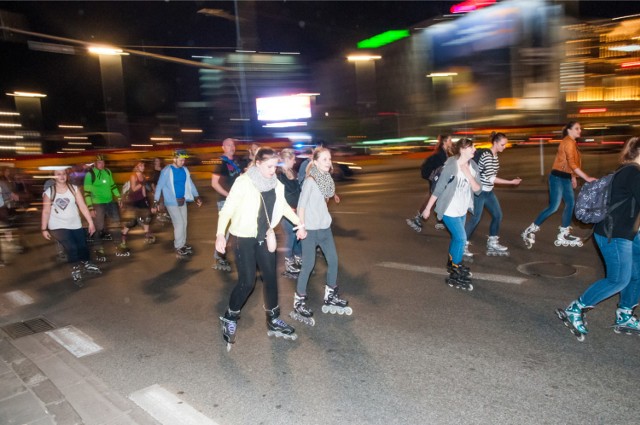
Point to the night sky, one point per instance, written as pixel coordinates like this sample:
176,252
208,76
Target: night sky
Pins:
318,30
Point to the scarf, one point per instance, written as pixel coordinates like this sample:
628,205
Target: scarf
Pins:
261,183
324,182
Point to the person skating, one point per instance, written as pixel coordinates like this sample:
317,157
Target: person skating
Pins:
254,206
61,221
318,188
287,176
222,179
618,241
428,167
177,189
136,206
488,166
562,181
453,197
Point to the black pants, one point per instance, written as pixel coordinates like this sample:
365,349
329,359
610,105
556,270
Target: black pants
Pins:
249,254
74,242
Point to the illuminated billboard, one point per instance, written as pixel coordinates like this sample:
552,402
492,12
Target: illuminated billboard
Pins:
281,108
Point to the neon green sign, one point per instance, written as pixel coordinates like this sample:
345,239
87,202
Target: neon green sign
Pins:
383,39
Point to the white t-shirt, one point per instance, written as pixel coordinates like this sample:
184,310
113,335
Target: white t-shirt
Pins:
64,211
462,198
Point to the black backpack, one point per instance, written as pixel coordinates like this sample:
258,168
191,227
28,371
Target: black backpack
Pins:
478,154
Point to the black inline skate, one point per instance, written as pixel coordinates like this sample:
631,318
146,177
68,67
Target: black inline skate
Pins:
291,269
278,327
89,267
333,303
229,324
76,275
221,263
459,276
301,312
182,253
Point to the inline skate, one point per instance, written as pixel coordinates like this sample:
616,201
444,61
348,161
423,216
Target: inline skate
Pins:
106,236
221,263
439,226
291,270
495,249
626,322
415,222
149,239
122,250
528,235
333,303
76,275
229,324
564,238
278,327
459,276
188,249
301,312
298,260
573,318
99,255
468,254
182,253
89,267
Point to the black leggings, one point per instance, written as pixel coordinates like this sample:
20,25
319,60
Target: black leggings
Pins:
249,254
74,242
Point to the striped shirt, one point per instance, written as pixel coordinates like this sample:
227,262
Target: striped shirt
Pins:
488,166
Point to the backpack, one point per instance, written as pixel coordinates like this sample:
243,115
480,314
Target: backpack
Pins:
592,204
126,188
51,184
478,154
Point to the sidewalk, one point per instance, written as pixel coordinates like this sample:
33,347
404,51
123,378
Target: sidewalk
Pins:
41,383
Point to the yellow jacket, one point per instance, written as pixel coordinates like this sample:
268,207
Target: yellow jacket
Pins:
243,205
568,157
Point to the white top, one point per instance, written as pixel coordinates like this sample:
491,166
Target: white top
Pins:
462,198
64,211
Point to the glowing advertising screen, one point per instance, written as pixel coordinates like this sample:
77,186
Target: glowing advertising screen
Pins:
280,108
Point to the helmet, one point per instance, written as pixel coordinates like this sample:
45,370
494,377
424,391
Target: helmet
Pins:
100,157
180,153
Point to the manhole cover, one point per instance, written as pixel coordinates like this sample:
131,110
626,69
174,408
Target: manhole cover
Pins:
546,269
28,327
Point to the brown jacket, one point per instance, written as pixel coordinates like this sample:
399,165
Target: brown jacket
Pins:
568,157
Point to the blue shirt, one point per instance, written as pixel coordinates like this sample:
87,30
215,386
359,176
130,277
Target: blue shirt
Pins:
179,181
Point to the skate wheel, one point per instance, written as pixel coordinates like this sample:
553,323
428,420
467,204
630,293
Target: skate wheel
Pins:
557,243
229,345
348,311
312,321
470,288
580,337
340,311
325,309
579,244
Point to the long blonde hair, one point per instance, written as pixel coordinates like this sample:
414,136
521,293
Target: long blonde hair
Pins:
316,154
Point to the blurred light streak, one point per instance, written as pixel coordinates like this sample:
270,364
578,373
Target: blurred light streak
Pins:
106,50
285,124
470,5
360,58
25,94
70,126
191,130
9,124
4,136
12,148
634,64
592,110
383,39
11,114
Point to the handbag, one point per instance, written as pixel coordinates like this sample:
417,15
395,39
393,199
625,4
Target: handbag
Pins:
272,243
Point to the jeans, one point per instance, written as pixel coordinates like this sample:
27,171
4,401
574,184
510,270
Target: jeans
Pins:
490,201
559,189
324,239
251,253
292,244
458,237
74,242
179,220
622,261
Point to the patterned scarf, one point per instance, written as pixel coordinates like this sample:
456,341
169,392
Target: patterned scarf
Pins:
324,181
261,183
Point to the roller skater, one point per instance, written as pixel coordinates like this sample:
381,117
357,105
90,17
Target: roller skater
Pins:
220,263
301,312
562,181
229,324
136,205
488,167
573,318
529,235
278,327
255,204
494,249
333,303
564,238
291,268
618,240
626,322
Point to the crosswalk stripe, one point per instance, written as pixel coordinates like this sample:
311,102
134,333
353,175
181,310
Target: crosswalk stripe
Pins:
74,341
18,298
167,408
443,272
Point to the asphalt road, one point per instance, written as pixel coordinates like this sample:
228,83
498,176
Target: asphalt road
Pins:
414,351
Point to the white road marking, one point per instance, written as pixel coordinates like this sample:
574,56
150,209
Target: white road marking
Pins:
167,408
75,341
443,272
18,298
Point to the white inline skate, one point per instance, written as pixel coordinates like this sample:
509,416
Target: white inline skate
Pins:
76,275
278,327
529,235
494,249
626,322
333,303
564,238
301,312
